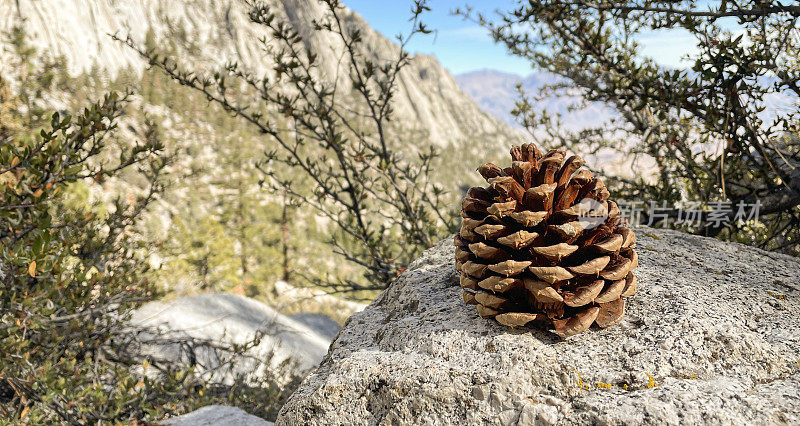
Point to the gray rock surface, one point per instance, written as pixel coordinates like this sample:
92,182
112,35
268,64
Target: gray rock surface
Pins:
713,336
320,323
217,415
223,318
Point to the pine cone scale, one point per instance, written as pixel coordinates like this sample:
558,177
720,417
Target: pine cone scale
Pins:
543,244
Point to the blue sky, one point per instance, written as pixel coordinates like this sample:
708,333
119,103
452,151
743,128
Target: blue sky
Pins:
463,46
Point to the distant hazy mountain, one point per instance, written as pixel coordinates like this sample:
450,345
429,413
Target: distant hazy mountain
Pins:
496,93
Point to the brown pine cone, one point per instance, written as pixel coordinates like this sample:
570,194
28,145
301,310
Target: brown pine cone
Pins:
543,244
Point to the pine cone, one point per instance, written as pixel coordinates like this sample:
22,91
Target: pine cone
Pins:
543,244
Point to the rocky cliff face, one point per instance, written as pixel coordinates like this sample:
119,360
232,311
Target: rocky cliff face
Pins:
711,337
209,32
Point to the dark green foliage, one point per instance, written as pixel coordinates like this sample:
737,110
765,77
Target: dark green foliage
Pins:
68,272
73,264
695,134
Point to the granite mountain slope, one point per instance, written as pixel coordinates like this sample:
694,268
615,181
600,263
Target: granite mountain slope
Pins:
214,153
208,32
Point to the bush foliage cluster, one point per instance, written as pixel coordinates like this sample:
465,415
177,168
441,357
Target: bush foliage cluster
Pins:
702,133
73,266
